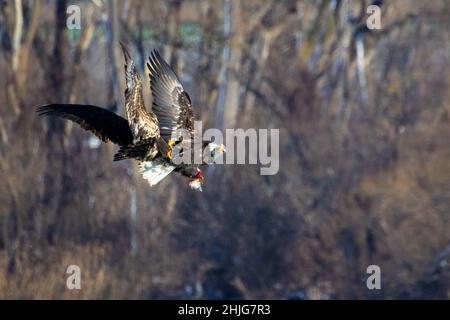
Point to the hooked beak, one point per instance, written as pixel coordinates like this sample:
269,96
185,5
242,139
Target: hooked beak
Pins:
221,149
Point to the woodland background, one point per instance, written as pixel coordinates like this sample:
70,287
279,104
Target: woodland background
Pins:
365,152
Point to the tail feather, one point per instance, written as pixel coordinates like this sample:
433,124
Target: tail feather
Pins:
156,170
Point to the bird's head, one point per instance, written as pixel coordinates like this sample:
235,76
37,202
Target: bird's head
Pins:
197,180
216,150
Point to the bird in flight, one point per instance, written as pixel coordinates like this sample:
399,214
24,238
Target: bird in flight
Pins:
146,136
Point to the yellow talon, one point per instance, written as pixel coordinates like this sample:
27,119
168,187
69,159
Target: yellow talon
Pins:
171,143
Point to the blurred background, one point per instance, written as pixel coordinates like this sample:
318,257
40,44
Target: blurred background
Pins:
364,151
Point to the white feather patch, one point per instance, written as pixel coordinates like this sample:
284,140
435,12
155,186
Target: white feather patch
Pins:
156,170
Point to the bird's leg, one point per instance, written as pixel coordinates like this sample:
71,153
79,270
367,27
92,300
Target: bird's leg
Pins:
165,148
171,143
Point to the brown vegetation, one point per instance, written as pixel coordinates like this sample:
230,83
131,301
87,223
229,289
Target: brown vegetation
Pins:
364,147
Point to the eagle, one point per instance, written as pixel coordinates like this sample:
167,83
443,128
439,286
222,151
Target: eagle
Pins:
146,136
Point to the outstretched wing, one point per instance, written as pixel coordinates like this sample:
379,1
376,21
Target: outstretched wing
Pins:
144,125
106,125
171,103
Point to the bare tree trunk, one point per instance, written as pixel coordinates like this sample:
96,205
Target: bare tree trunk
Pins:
233,85
56,159
361,60
112,37
12,88
207,77
133,220
81,49
17,35
268,37
220,103
26,46
173,30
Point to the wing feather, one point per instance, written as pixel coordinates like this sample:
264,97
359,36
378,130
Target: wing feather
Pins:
171,103
144,125
106,125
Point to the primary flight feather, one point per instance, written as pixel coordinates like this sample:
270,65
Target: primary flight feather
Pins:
144,135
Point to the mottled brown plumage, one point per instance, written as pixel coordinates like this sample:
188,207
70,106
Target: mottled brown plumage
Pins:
171,104
144,135
143,124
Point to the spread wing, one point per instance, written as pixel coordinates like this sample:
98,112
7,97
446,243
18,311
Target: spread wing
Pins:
143,124
171,103
106,125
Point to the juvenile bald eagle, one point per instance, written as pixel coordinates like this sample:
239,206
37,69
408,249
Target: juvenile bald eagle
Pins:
144,136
